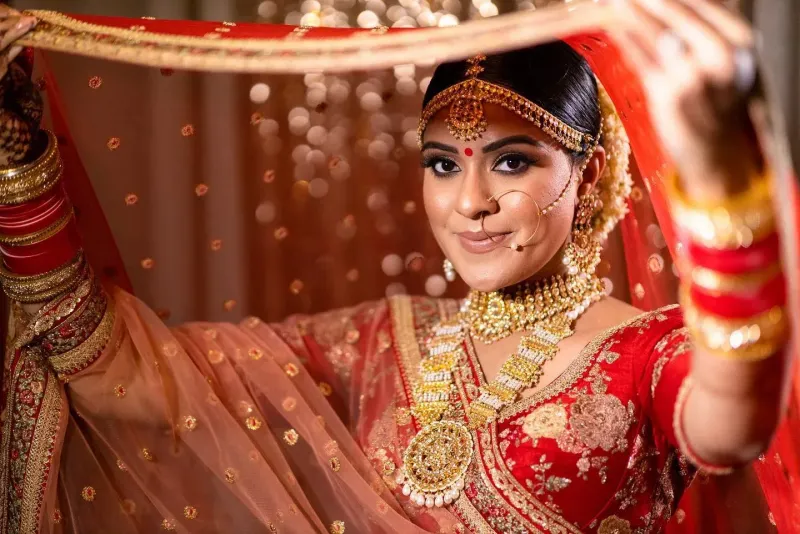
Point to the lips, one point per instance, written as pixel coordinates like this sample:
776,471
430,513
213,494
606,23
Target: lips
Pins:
482,242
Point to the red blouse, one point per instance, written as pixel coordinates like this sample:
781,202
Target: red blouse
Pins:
594,451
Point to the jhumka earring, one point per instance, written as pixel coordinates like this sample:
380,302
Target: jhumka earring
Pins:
449,270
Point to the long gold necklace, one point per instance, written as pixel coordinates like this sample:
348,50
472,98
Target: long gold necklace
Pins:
436,461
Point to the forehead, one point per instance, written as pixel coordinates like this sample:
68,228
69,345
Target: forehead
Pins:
500,123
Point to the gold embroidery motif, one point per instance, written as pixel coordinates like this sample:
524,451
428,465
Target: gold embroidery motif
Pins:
614,525
291,437
231,475
600,421
546,421
189,512
337,527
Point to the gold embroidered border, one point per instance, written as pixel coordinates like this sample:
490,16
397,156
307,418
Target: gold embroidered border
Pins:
405,342
82,355
5,444
40,455
471,516
362,51
680,437
576,368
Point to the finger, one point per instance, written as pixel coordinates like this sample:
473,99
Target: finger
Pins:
6,11
642,59
729,24
13,52
19,29
708,47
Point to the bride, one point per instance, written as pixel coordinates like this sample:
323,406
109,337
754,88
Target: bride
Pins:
536,404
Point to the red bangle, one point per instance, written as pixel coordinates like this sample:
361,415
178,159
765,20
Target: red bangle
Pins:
44,256
756,257
730,306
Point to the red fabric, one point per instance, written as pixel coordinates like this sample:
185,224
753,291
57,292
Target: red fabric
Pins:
741,306
758,256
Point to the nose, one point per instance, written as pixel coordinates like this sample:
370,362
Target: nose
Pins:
473,197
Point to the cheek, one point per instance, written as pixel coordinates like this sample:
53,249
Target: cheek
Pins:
437,202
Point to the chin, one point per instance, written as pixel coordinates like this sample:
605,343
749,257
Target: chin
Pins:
487,281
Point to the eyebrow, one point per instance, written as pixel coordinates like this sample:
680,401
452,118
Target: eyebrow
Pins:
511,140
441,146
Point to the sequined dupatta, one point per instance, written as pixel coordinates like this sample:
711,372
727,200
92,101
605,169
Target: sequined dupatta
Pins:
308,202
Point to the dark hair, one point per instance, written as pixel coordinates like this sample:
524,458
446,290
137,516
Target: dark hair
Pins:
551,75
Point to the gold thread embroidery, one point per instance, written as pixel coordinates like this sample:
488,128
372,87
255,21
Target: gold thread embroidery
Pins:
88,351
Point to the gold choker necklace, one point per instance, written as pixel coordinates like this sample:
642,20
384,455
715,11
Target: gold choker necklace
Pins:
436,461
496,315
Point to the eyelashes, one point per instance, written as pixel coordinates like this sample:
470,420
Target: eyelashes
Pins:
509,164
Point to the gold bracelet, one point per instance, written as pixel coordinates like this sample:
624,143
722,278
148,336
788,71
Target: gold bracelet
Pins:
23,183
735,222
39,235
712,280
752,339
43,287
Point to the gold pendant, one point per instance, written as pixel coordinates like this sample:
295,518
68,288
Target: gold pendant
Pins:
435,464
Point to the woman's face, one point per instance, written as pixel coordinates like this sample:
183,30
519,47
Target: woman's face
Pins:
461,176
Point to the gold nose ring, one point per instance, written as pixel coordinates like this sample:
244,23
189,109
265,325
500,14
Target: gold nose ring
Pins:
496,198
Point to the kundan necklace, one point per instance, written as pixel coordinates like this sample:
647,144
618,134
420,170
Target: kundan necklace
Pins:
436,461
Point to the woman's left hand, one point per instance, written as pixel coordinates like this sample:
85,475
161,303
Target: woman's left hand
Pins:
697,67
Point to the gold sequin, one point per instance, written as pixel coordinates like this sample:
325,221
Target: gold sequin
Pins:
291,370
167,524
296,287
253,423
148,263
189,512
113,143
256,118
289,404
255,354
190,422
325,388
121,465
335,464
95,82
229,304
88,494
201,190
269,176
215,356
129,507
614,525
216,244
231,475
389,467
337,527
187,130
57,517
291,437
147,455
352,336
120,391
273,528
131,199
281,233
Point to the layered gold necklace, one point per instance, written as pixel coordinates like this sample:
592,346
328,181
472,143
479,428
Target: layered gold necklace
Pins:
436,461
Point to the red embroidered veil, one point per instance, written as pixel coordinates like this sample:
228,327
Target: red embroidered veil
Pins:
221,170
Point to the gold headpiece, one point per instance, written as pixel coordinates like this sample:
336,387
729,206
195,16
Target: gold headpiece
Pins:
466,120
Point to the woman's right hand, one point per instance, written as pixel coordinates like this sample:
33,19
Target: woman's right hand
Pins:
13,25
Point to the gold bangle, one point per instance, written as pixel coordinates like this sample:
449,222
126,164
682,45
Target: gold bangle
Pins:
752,339
39,235
26,182
43,287
712,280
735,222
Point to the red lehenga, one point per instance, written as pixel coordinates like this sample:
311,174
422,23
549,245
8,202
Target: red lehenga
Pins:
298,425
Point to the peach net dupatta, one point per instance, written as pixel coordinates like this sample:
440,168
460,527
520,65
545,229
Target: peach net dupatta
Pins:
221,428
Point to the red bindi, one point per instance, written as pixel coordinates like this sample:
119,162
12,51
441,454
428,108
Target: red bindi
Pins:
468,152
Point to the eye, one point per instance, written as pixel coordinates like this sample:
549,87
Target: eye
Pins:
441,166
512,163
